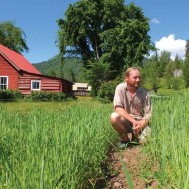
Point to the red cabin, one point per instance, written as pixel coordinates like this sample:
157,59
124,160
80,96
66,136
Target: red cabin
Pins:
17,73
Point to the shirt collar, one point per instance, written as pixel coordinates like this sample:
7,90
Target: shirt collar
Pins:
137,91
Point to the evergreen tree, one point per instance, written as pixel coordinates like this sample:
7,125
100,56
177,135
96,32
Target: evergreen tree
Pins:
186,71
164,59
186,65
168,74
151,73
177,63
187,49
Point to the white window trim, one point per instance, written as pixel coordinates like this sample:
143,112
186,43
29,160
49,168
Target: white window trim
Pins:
39,81
7,80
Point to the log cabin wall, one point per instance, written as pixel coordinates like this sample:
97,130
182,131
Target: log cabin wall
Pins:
6,69
47,84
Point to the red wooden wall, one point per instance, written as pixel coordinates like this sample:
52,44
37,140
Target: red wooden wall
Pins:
47,84
6,69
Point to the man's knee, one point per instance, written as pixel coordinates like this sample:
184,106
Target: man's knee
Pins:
115,118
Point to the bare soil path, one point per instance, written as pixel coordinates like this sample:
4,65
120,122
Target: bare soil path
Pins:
135,161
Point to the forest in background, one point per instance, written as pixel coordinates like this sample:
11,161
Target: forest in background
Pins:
71,69
160,73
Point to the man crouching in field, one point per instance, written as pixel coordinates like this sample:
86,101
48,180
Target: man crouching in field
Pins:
132,109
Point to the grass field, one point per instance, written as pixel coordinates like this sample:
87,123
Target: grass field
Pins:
63,145
53,145
168,144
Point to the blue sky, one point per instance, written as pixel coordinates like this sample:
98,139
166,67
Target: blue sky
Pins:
37,18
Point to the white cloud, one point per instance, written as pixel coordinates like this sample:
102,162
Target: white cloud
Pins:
155,20
174,46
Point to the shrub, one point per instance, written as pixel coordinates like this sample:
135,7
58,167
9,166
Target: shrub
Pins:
18,94
107,90
48,96
175,83
10,95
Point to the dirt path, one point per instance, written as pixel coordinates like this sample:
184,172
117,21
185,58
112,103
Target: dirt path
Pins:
135,161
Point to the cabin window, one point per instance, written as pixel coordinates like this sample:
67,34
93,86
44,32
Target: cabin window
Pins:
3,82
35,85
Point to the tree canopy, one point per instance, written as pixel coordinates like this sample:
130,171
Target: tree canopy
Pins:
12,37
105,30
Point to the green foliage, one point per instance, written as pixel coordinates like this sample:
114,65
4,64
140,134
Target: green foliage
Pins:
186,67
186,73
52,73
175,83
97,74
164,59
178,63
6,95
71,68
161,73
168,74
187,49
151,74
127,44
47,96
107,90
92,29
12,37
10,95
17,94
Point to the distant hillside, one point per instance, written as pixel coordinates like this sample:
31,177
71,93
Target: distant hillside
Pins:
72,69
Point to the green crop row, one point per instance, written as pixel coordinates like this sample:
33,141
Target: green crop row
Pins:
57,148
168,143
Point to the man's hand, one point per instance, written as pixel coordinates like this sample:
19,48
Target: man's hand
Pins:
139,125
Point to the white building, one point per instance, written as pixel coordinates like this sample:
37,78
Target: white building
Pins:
81,89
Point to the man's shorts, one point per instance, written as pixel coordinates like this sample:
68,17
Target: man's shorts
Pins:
128,126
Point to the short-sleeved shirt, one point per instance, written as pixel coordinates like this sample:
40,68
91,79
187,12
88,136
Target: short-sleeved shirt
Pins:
138,105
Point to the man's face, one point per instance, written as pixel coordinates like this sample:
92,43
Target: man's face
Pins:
134,78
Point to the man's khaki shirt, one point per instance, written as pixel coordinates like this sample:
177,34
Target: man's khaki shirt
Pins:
138,106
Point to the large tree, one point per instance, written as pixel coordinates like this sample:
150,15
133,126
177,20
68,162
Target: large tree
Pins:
107,31
12,37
